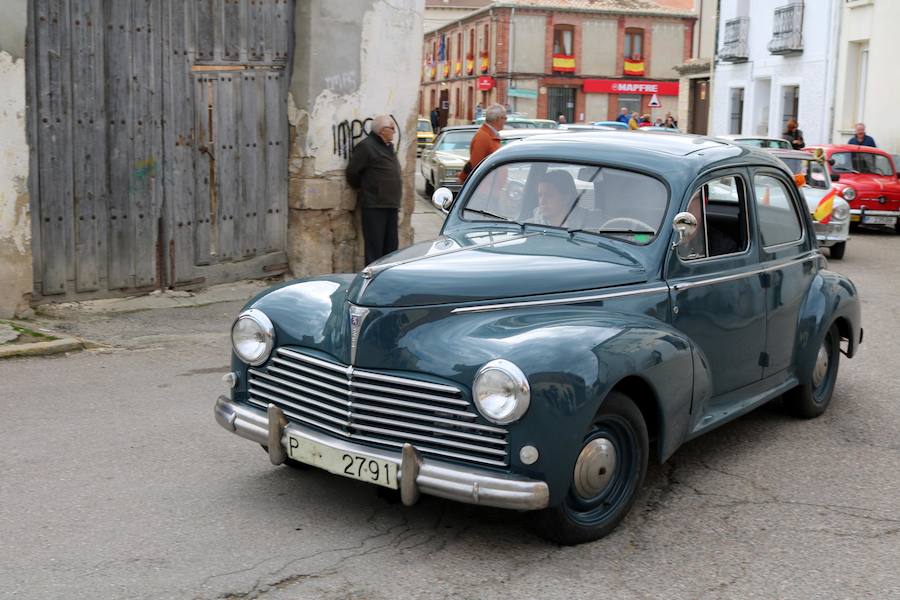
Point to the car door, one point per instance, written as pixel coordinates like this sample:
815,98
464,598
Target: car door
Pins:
716,292
789,260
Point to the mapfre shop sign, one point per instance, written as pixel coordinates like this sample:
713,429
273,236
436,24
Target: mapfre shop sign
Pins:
618,86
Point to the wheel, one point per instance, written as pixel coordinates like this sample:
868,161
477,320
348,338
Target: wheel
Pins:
608,475
290,462
429,190
837,251
811,399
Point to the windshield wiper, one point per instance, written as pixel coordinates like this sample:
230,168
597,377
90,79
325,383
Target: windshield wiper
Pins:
490,214
599,231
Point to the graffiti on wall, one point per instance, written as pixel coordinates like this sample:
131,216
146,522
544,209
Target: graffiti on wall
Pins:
346,134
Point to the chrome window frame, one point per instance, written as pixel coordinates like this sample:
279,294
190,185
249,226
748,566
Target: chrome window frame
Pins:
792,200
707,258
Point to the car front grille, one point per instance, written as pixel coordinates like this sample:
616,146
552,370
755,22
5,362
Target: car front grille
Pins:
376,408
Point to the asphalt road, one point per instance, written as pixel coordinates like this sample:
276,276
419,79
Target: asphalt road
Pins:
116,482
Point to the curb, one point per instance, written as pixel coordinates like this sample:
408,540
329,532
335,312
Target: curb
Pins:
41,348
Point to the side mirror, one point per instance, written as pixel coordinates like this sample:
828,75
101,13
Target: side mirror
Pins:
442,199
835,176
684,224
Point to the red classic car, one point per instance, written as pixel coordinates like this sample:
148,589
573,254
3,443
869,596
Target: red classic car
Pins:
868,181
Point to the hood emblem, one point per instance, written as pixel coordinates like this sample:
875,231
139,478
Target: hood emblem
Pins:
357,316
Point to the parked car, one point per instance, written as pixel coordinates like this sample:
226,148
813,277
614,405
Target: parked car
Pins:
585,127
424,135
868,181
758,141
517,122
613,124
551,342
830,213
440,165
545,123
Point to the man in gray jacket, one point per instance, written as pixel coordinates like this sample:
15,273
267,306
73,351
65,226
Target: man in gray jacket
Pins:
374,172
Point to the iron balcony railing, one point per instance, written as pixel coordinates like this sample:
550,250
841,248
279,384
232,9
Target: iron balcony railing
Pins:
734,46
787,34
377,408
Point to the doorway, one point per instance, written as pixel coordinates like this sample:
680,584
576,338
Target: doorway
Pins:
561,101
699,106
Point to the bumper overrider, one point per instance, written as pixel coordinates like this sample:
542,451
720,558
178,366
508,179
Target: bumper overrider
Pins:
415,474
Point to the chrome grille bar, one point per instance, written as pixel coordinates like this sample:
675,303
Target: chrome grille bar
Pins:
377,408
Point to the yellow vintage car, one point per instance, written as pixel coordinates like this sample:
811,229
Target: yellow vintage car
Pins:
424,135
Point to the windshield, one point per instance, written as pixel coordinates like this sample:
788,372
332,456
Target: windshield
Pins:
599,200
813,170
455,141
862,162
763,143
424,126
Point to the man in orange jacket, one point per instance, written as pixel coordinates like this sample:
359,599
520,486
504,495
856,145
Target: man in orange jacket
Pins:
487,138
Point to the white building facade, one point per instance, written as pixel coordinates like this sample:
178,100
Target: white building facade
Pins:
776,61
867,86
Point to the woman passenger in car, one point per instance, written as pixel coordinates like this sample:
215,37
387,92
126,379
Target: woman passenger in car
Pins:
557,197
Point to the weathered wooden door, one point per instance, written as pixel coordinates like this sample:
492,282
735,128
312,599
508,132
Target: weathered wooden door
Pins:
158,133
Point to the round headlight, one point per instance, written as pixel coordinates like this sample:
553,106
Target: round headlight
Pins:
840,212
501,392
253,337
849,193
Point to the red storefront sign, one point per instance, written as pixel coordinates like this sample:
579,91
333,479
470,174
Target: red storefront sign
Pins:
623,86
485,83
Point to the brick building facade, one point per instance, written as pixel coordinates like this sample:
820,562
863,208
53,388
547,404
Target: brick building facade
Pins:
581,58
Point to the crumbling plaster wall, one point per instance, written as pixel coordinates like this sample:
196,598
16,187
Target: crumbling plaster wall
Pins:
15,218
352,61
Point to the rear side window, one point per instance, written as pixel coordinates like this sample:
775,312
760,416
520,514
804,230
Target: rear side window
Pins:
779,222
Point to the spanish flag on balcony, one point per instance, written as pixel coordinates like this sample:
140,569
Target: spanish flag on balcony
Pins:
457,69
634,67
822,214
446,70
470,65
564,63
485,62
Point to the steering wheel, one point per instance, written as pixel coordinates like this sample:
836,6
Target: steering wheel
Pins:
629,223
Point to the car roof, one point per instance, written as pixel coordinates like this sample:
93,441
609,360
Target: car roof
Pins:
829,148
678,158
735,136
783,153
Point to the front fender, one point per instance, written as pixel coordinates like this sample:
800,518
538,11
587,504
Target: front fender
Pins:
572,355
832,297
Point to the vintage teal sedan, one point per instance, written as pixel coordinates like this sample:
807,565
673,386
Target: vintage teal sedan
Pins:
594,301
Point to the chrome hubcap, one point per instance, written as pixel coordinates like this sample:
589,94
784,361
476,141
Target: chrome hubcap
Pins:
595,467
821,366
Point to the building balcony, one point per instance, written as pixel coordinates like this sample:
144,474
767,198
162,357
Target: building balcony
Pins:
787,34
563,63
734,46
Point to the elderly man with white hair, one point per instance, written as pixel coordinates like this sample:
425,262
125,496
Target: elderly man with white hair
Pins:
486,140
374,172
860,138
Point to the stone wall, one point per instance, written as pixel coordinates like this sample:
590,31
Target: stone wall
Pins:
352,61
15,216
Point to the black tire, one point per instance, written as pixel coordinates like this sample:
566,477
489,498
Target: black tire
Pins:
579,519
837,251
429,190
290,462
810,400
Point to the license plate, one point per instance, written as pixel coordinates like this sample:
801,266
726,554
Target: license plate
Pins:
348,464
879,220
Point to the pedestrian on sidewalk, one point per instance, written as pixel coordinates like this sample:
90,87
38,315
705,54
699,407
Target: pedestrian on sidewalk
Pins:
374,172
861,139
486,140
793,135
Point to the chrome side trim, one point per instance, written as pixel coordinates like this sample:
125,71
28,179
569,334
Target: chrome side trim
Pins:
685,285
418,474
560,301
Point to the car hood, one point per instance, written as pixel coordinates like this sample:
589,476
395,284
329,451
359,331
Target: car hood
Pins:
452,159
872,184
494,265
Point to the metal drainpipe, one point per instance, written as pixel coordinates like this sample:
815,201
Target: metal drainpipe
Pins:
509,64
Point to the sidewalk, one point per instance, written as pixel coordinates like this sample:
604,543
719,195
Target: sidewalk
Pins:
134,322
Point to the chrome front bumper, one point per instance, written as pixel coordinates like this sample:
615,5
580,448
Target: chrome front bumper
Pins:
416,474
832,233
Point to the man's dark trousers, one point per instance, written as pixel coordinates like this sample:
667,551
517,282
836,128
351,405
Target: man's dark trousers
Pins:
379,227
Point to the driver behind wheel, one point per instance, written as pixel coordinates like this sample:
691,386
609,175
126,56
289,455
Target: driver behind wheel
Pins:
557,198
